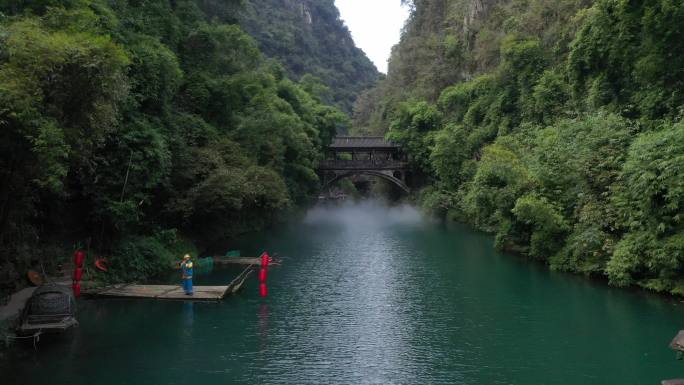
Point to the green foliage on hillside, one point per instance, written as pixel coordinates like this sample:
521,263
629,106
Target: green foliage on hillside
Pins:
308,37
134,124
555,125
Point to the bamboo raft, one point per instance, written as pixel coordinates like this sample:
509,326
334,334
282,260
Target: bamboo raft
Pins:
175,292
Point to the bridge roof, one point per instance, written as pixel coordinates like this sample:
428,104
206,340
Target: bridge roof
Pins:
361,142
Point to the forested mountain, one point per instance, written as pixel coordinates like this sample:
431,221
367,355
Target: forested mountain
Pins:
308,37
132,126
556,125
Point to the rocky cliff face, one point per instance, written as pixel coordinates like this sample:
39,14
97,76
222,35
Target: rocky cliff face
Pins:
443,44
307,36
476,10
450,41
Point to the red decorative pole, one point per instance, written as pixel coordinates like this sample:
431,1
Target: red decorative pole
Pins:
263,290
79,257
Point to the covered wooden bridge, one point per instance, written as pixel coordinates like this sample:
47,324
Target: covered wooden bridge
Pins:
364,155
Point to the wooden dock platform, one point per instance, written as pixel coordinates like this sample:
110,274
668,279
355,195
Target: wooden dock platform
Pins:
200,293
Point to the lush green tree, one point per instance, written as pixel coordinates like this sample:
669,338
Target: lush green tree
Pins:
59,93
131,126
621,57
413,129
500,180
650,204
450,151
547,225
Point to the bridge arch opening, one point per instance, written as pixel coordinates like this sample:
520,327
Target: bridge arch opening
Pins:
390,178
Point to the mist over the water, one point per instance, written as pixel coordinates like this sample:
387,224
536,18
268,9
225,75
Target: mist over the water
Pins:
367,213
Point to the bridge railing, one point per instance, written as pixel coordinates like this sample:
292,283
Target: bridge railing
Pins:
366,164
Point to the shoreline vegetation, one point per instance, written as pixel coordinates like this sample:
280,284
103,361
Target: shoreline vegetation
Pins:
556,126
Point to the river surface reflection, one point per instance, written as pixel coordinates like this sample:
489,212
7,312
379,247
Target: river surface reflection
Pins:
371,295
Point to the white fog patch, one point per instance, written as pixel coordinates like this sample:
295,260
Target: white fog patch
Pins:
364,214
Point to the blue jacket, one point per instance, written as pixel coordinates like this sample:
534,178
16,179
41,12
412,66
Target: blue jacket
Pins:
187,269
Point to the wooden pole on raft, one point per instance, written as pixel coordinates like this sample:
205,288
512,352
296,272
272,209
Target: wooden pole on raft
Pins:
263,290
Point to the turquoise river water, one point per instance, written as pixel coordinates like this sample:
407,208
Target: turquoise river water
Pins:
370,295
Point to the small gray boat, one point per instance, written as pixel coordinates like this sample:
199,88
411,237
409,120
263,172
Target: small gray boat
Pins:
51,309
677,345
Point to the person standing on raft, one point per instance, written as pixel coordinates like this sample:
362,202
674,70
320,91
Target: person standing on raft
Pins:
186,268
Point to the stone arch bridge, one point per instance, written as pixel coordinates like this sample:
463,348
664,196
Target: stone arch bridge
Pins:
364,155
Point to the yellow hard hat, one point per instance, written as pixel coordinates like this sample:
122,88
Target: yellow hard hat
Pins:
187,256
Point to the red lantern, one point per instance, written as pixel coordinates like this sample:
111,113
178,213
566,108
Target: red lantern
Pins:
262,275
78,273
77,289
79,256
263,290
265,259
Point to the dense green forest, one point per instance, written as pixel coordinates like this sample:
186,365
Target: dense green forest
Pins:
309,38
140,128
556,125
